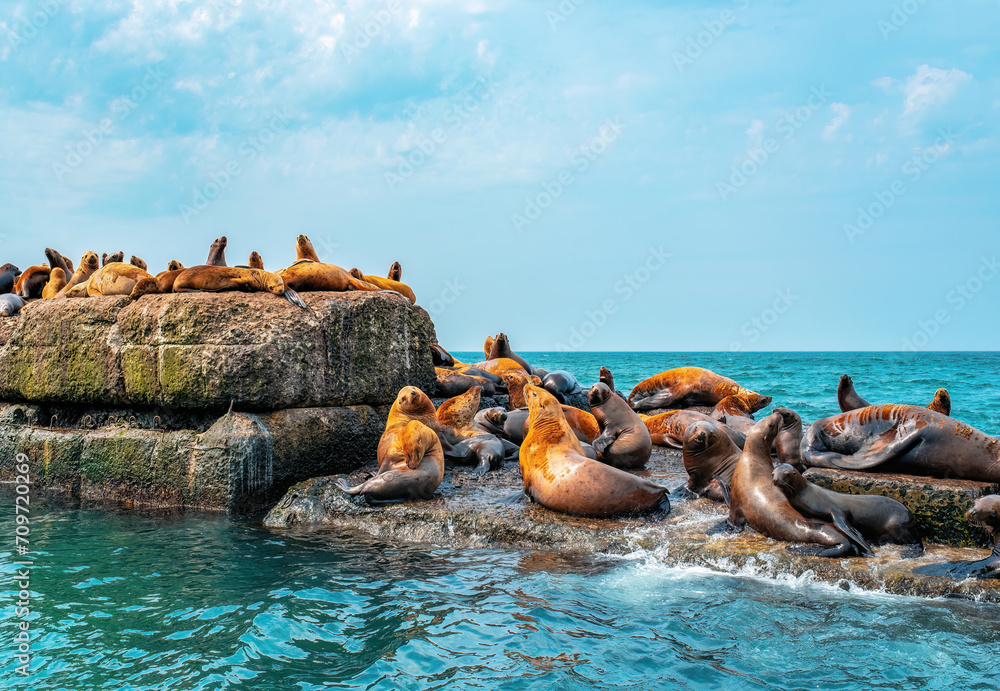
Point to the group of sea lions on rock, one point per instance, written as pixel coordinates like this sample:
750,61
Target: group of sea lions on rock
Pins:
57,279
578,463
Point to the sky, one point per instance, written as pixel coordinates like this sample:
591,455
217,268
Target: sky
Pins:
581,175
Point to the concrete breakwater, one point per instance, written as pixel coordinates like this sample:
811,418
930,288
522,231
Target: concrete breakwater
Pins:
208,401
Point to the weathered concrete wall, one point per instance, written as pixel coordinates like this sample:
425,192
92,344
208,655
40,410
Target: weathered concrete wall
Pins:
202,351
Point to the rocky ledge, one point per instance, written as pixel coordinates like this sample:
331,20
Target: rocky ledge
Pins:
478,513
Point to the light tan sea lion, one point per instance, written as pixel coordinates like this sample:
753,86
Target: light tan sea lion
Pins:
89,263
118,278
57,281
487,347
498,367
386,284
304,250
216,279
165,280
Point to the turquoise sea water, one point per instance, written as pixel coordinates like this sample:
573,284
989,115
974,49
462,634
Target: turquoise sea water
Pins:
153,601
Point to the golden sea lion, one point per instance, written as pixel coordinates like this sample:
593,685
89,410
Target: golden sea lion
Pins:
215,279
386,284
498,367
165,280
684,387
487,347
501,349
89,263
309,276
57,281
118,278
516,381
561,478
411,467
304,250
459,411
174,265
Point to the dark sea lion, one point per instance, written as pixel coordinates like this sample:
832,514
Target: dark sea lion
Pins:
386,284
255,261
624,441
471,371
441,357
217,252
137,262
848,399
8,278
607,378
451,383
902,439
986,513
118,278
669,429
57,281
412,467
561,478
560,384
216,279
304,249
709,454
395,272
880,520
501,349
10,304
89,263
32,282
174,265
755,501
58,261
511,426
488,387
788,445
115,258
684,387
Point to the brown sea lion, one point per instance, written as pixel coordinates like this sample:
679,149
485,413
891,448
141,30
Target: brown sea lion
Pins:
255,261
607,378
57,281
136,261
879,520
8,278
32,282
902,439
986,513
89,263
115,258
788,445
217,252
395,272
309,276
304,250
561,478
848,398
689,386
118,278
710,455
58,261
624,441
412,467
174,265
216,279
386,284
501,349
669,428
451,383
755,501
441,357
165,280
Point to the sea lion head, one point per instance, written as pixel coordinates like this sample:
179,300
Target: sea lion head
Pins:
356,272
413,401
599,393
788,480
90,261
255,261
701,439
137,262
607,378
13,269
941,402
765,432
515,383
789,418
175,265
754,401
541,402
496,416
986,513
395,272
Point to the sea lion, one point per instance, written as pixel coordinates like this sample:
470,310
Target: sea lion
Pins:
709,455
88,265
624,441
500,366
175,265
755,501
215,279
304,250
137,262
395,272
118,278
880,520
986,513
560,384
8,278
57,281
487,347
217,252
451,383
516,380
584,424
689,386
441,357
412,467
456,416
607,378
165,280
848,398
788,445
501,349
255,261
902,439
669,428
10,304
58,261
386,284
561,478
115,258
32,282
310,276
493,420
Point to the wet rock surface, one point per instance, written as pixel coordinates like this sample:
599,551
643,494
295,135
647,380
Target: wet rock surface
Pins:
473,512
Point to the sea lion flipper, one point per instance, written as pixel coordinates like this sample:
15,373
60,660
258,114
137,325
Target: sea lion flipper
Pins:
852,533
724,486
516,498
294,298
894,450
342,484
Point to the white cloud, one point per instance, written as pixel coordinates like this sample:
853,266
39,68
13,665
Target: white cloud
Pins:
841,112
930,86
